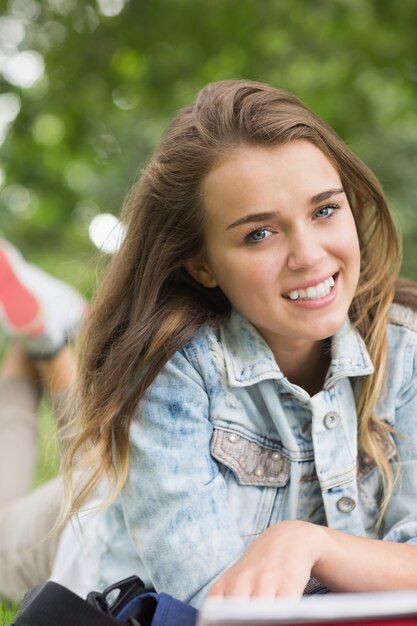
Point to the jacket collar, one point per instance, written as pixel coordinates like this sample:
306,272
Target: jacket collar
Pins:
249,359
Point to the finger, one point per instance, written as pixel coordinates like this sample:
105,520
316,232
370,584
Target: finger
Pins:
292,586
236,584
266,585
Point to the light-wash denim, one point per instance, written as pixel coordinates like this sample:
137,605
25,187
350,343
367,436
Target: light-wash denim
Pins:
224,446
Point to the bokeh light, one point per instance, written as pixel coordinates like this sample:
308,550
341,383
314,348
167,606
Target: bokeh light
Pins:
110,8
23,69
106,232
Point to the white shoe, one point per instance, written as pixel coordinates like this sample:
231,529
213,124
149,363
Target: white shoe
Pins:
39,310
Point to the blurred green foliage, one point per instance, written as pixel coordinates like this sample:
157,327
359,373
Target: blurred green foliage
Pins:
7,613
111,82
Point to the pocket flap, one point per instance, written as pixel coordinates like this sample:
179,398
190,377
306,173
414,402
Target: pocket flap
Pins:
252,463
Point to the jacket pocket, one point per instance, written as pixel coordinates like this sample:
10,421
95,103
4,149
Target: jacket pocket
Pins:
252,463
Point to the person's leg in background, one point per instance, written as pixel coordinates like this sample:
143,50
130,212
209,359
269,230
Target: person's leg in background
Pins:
27,550
20,395
39,312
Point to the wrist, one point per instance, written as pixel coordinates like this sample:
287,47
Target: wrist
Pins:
315,539
320,542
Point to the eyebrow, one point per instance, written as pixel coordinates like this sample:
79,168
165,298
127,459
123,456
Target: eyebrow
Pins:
325,195
267,215
253,217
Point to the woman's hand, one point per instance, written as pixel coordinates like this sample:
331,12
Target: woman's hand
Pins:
278,563
281,560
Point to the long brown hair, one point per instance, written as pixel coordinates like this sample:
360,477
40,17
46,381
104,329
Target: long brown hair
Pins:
148,306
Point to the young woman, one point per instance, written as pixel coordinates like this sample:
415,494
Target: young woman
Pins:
246,382
247,386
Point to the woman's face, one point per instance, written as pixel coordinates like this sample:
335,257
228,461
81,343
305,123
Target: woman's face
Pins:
281,241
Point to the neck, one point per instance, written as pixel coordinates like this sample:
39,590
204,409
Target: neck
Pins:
305,364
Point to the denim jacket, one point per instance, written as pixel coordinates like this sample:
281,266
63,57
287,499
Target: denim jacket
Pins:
224,446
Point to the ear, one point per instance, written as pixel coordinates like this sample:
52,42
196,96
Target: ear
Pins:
200,270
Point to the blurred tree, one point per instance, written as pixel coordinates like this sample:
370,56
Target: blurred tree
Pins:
85,106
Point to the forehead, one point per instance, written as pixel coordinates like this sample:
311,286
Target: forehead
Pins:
255,175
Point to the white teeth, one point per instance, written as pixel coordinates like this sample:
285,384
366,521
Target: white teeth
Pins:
311,293
321,289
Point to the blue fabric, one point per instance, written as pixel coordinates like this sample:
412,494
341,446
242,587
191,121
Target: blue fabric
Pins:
167,612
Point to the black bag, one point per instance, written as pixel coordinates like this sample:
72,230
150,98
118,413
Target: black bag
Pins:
125,603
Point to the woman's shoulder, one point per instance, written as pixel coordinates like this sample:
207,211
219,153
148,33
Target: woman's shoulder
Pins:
402,335
202,338
403,311
403,316
203,350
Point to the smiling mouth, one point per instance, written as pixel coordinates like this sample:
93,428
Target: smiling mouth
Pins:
312,293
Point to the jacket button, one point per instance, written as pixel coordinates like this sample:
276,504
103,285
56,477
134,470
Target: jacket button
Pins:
232,438
259,471
346,504
276,456
331,420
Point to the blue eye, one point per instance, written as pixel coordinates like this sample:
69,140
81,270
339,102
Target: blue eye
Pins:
259,234
326,211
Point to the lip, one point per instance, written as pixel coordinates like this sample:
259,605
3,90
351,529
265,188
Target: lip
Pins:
311,283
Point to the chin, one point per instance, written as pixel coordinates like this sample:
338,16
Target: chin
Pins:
328,330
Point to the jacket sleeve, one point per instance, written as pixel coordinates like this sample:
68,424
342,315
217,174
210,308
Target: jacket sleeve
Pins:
400,520
175,501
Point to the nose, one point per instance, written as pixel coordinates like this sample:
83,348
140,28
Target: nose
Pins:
305,251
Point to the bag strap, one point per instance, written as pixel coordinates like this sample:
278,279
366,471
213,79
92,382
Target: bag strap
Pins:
51,604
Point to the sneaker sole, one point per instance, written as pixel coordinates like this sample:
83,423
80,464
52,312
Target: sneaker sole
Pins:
21,310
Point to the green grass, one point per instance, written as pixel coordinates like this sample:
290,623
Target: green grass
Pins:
7,612
47,466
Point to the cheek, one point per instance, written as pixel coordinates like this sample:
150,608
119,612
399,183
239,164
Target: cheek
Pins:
355,252
240,274
348,244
